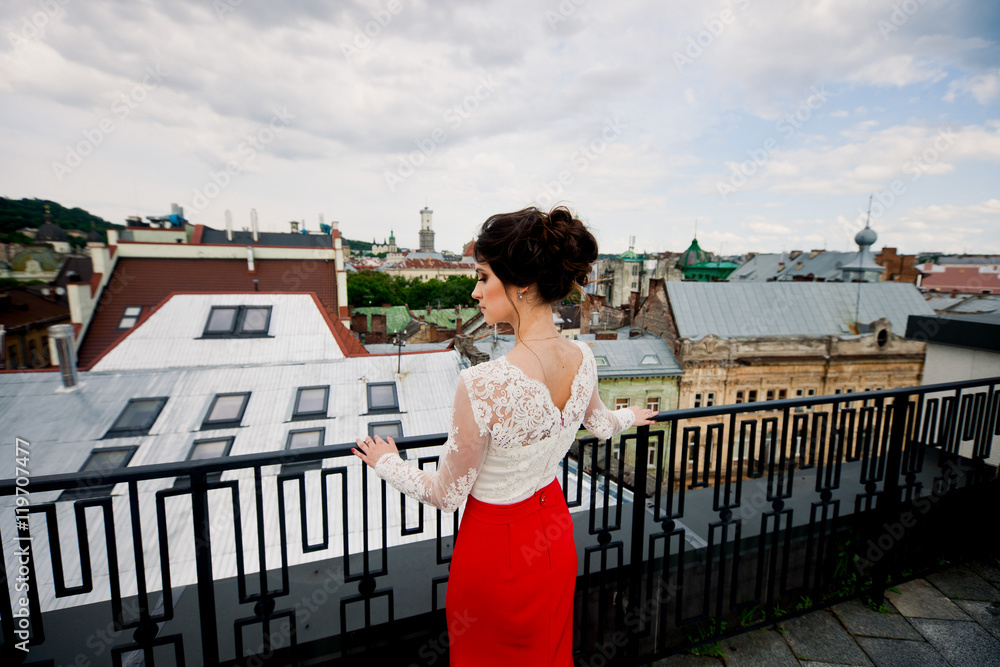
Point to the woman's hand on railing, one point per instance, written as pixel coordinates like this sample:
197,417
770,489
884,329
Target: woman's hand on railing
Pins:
643,416
371,450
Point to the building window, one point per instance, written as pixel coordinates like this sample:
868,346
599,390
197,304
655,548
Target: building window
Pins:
137,418
739,396
651,458
237,322
782,394
600,361
385,429
92,473
836,391
650,360
697,400
770,394
129,317
209,448
653,403
226,411
635,270
382,397
311,402
621,403
752,396
304,439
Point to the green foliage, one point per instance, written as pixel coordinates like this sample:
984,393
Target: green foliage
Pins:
747,616
15,214
713,628
377,288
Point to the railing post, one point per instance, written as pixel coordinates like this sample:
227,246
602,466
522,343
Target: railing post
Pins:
203,565
638,528
890,503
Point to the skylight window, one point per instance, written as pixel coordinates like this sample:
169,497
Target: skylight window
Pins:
601,361
650,360
226,411
130,317
137,418
237,322
385,429
382,397
311,402
210,448
99,463
304,439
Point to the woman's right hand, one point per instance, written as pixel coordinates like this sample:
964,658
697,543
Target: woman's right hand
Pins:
643,416
370,451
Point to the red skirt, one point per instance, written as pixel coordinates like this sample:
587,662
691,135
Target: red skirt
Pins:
510,589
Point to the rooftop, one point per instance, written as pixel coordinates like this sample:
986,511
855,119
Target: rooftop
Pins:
789,308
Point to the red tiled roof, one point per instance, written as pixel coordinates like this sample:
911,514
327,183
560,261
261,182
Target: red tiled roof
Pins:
429,264
22,307
147,282
956,277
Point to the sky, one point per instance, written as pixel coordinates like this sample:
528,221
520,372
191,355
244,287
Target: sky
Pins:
765,126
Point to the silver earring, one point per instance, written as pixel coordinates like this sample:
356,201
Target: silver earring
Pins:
520,296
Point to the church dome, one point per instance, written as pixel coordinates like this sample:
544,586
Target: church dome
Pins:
43,254
693,255
866,236
51,232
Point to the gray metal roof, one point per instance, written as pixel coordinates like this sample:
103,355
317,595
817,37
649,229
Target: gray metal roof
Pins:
210,235
789,308
963,303
768,267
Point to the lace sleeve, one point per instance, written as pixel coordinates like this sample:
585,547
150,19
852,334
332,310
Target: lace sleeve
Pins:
458,464
603,422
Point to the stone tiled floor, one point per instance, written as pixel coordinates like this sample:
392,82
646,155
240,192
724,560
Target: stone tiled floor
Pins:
949,618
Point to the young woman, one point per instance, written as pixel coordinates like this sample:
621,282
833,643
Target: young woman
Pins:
510,588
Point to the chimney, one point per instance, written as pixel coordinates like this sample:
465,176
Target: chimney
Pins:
250,266
458,326
295,226
62,336
229,225
253,224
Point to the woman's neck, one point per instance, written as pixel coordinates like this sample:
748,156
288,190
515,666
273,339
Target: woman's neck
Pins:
536,324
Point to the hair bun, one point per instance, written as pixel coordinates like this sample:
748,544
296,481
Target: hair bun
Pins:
553,250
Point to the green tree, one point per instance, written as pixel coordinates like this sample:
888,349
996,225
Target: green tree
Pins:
457,291
375,288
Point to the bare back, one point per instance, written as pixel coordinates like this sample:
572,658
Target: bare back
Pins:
553,362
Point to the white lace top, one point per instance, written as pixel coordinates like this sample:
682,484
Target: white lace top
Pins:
507,436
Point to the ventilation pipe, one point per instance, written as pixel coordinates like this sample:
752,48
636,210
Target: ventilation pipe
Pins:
62,336
229,225
250,266
253,224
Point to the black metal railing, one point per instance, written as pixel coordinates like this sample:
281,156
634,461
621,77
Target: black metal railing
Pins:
751,512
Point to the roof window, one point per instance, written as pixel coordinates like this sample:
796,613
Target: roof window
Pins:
237,322
137,418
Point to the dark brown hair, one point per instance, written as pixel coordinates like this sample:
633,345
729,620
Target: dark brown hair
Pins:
552,250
